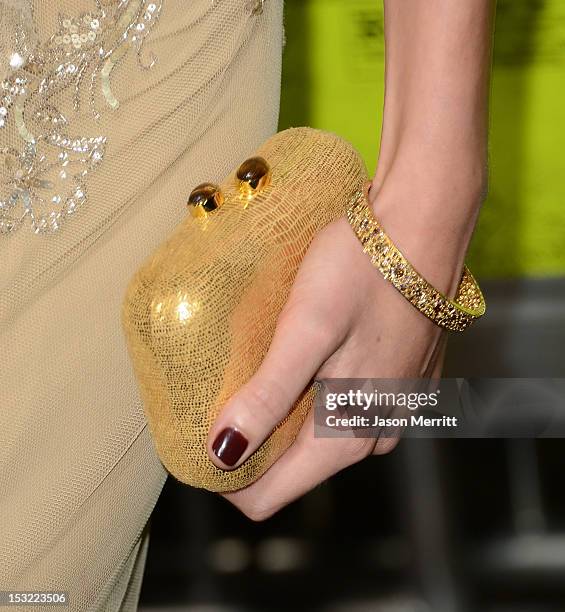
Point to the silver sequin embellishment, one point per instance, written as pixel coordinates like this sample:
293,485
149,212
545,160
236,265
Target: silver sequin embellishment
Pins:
43,180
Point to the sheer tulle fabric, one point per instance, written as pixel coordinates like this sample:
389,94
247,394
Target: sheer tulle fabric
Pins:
183,103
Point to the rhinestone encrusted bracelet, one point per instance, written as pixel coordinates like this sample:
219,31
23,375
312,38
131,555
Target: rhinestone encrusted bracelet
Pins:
452,314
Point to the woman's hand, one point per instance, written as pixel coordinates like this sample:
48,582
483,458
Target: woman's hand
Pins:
342,320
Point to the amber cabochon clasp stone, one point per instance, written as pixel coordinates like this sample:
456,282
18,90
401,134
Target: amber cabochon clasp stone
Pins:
253,175
204,199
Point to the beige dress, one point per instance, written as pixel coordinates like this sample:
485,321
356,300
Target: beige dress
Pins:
122,107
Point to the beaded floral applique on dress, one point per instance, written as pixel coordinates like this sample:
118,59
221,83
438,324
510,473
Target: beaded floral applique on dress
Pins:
43,175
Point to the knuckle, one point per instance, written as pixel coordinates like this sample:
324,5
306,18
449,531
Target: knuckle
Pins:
265,398
357,449
320,332
261,391
256,506
314,325
257,512
385,445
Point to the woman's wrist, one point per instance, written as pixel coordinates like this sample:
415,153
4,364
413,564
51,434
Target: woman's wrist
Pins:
429,210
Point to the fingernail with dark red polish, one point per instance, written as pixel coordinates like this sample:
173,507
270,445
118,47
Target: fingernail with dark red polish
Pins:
229,445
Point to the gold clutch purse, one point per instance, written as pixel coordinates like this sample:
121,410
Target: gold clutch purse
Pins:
199,315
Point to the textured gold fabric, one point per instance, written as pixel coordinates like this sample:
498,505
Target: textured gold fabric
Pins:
79,475
201,312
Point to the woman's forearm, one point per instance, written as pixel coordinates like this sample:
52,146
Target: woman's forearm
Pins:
432,168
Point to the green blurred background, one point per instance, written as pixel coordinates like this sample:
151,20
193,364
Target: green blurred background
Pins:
333,80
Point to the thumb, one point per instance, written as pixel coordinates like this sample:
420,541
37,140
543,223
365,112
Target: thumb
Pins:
296,353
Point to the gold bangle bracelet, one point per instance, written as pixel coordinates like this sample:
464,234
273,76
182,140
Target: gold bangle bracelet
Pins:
454,315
